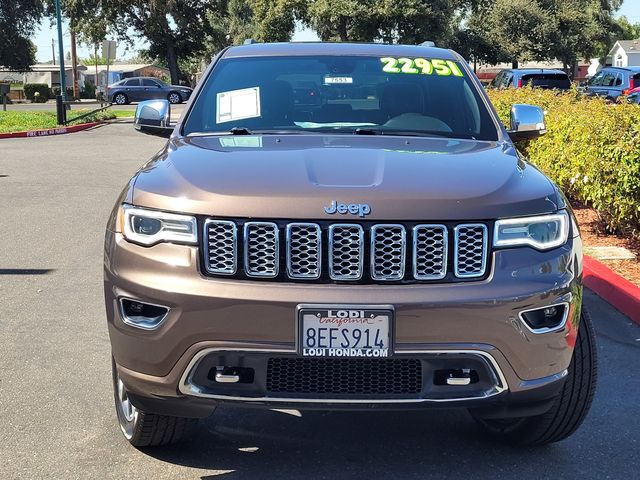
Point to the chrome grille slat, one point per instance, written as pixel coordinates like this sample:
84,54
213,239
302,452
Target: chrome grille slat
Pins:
388,252
470,242
261,249
346,251
304,250
257,243
430,251
221,246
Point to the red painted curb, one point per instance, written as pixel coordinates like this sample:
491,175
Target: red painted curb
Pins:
618,291
50,131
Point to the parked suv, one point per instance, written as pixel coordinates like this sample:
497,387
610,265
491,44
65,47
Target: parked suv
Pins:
612,82
382,246
534,77
137,89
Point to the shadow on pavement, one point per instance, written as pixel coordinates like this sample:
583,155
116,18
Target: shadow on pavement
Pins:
411,444
26,271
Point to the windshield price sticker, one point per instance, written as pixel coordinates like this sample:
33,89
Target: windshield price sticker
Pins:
422,66
238,104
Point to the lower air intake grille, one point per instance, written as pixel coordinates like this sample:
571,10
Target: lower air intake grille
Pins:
344,376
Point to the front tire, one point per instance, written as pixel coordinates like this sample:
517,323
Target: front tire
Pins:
143,429
120,99
570,407
174,98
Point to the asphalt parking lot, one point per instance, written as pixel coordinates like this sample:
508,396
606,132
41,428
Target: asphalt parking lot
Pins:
56,414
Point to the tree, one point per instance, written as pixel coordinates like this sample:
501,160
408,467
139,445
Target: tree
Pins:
18,21
581,27
520,30
274,20
399,21
231,22
625,30
234,21
174,28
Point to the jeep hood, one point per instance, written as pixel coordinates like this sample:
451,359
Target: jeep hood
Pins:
295,176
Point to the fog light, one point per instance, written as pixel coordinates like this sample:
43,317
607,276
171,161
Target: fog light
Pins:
546,319
141,314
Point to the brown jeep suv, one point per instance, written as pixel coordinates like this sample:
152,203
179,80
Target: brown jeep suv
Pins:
345,226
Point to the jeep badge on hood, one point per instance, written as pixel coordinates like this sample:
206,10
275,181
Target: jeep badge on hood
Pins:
361,209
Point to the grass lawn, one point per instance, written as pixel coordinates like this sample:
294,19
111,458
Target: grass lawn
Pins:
13,121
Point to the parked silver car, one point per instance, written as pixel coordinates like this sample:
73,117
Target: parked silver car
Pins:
137,89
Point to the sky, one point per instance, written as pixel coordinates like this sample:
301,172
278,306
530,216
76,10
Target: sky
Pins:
47,32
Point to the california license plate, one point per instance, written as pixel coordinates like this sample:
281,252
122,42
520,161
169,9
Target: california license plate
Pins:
344,332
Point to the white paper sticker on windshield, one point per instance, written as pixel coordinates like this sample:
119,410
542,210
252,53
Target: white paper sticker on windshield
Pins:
238,104
337,80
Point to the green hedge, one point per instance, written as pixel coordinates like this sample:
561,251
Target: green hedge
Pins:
591,150
42,89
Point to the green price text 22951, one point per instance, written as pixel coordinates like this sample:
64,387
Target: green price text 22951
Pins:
420,66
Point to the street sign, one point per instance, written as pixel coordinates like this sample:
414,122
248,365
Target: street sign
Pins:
109,49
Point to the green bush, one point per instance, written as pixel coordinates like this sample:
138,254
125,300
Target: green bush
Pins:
591,150
30,90
89,91
55,91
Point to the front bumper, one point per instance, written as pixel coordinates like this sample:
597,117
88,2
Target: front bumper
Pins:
245,320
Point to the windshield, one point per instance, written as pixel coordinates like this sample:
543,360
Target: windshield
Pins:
547,80
341,94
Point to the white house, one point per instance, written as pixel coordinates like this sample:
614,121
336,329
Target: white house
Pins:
625,53
120,71
40,73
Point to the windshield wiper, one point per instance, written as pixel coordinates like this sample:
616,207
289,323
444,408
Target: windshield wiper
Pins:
240,131
383,131
367,131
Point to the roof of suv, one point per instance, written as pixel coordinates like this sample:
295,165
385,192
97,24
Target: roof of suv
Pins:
328,48
535,70
630,68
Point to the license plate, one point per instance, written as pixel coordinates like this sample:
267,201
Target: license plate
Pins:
344,332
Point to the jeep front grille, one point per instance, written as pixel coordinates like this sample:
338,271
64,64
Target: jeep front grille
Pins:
430,252
304,250
261,252
346,252
221,246
388,249
349,252
471,245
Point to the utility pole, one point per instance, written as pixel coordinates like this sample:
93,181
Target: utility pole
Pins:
53,50
74,64
63,83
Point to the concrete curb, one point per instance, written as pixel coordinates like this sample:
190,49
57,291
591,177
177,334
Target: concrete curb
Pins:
618,291
51,131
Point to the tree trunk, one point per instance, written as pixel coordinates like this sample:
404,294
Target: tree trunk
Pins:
342,29
74,65
172,61
514,63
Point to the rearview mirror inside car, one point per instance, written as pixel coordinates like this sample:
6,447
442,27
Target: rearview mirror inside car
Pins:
526,122
153,117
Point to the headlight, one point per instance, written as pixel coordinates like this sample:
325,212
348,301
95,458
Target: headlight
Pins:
541,232
152,226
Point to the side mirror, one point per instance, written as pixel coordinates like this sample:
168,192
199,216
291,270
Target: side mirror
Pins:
526,122
152,116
